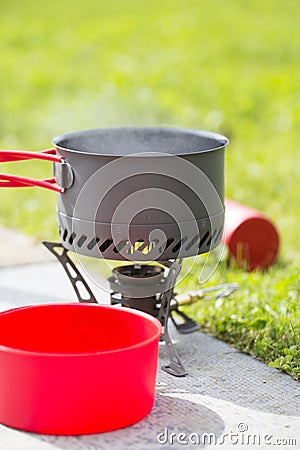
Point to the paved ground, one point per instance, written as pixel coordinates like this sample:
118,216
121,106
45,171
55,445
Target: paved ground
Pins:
16,248
239,401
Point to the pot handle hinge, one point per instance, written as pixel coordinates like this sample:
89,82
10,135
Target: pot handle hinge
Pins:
63,174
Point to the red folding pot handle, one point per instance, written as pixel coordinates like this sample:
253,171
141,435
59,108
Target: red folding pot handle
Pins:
7,180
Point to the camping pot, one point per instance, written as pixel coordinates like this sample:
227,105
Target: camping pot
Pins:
71,369
134,193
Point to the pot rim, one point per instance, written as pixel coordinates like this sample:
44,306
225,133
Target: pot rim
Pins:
220,141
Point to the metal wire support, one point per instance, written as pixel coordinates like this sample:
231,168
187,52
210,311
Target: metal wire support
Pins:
175,366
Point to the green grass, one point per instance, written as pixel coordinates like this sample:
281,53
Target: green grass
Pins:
230,67
261,318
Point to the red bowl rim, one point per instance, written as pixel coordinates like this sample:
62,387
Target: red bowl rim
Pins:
147,317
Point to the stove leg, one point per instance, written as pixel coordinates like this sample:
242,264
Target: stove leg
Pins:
175,367
72,272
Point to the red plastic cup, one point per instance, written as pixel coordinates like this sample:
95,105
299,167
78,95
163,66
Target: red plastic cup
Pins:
251,237
72,369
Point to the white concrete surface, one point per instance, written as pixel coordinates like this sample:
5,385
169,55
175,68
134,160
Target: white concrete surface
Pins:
17,248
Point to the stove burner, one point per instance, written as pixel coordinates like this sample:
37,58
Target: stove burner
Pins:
138,271
137,286
140,287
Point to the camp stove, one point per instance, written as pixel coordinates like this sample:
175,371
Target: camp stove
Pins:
143,287
147,196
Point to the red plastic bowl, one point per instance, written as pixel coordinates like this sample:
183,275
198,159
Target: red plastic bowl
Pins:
74,369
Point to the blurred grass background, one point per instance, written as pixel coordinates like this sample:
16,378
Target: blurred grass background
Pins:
230,67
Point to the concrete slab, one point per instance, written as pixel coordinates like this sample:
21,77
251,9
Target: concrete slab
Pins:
17,248
228,400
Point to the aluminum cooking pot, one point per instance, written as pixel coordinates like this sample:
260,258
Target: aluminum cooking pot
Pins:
134,193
